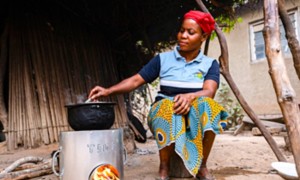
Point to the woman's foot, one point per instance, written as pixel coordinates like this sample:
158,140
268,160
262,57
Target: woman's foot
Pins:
163,171
204,174
162,178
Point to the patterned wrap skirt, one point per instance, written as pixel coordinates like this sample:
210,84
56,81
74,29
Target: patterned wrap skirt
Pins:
186,131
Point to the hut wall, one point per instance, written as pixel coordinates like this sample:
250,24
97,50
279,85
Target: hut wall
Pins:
54,60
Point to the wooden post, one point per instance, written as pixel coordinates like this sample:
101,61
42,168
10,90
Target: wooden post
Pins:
286,96
290,34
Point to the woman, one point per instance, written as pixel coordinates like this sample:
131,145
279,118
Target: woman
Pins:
184,117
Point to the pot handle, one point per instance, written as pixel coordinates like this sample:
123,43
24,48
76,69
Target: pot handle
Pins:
54,162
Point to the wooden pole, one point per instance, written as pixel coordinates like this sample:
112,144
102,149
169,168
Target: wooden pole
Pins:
224,65
286,96
291,36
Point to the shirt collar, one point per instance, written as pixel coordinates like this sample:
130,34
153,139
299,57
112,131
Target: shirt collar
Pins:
178,56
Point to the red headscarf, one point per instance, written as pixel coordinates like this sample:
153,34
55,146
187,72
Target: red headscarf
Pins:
204,20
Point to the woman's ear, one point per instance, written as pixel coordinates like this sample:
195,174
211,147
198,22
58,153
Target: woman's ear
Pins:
204,36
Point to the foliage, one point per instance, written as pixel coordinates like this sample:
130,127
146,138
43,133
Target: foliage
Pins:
141,47
142,98
226,22
229,23
233,107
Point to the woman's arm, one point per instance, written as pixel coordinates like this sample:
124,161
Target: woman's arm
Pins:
124,86
209,89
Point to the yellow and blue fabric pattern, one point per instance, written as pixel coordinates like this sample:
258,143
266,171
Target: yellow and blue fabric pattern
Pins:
186,131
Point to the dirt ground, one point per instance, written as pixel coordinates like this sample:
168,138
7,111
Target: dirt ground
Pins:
241,157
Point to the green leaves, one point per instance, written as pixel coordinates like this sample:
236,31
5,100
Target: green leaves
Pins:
227,23
231,105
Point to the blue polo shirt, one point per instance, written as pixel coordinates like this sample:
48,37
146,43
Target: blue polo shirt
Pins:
178,76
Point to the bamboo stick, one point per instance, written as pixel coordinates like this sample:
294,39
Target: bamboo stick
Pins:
36,117
31,105
50,83
56,86
65,84
39,85
25,136
19,129
44,84
11,84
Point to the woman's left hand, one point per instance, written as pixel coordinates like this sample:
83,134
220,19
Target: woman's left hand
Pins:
183,103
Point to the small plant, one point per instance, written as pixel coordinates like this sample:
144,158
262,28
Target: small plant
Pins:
232,106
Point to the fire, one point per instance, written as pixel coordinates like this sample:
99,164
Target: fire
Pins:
105,173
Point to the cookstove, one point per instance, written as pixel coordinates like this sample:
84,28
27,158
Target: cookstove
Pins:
93,151
90,155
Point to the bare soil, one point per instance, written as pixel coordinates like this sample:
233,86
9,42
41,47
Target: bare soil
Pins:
241,157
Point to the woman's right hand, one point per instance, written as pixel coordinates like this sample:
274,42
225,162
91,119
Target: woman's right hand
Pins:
124,86
183,103
97,92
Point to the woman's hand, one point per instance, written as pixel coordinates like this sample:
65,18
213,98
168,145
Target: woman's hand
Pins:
124,86
183,103
97,92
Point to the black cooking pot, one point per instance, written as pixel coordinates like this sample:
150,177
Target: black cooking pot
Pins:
91,116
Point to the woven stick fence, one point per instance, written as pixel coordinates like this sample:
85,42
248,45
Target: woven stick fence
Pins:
53,63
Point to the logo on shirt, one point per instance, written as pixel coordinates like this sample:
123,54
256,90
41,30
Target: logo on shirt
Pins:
199,75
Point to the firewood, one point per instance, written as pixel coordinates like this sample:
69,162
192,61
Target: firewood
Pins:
42,167
26,166
272,131
266,123
28,173
21,161
239,129
34,174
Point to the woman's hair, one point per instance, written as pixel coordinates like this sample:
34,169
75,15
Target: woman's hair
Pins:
204,20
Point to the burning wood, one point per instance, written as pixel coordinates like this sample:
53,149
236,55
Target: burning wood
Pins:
105,172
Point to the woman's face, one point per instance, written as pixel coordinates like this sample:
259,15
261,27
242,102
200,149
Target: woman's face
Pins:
190,36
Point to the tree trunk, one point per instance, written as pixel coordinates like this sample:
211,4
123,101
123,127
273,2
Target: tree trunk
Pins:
3,62
284,91
290,35
224,65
